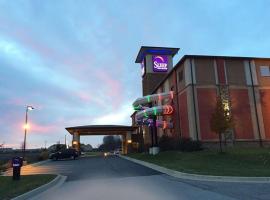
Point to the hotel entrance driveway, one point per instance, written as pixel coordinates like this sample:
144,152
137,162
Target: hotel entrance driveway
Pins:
113,178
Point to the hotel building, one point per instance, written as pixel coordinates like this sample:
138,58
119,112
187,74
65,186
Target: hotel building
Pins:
243,83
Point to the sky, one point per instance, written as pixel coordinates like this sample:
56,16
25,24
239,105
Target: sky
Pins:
74,61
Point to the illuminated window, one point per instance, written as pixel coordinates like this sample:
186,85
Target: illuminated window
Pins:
265,70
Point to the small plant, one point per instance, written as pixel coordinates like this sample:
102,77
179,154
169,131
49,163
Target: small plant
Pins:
44,155
221,120
4,165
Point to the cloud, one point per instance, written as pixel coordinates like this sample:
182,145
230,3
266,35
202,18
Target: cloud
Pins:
120,117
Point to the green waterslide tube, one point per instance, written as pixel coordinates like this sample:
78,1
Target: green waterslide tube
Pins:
152,98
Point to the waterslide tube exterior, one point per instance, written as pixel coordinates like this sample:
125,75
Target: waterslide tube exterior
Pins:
151,98
157,110
159,123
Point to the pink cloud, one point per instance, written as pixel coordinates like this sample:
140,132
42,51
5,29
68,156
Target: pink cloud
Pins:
16,101
113,88
41,129
19,101
11,145
87,99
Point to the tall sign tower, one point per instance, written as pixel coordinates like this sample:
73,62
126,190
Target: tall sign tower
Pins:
156,63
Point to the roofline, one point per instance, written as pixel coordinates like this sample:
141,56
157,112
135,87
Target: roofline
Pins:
173,49
98,126
101,128
202,56
133,113
232,57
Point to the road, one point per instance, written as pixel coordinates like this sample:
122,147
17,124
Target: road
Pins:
113,178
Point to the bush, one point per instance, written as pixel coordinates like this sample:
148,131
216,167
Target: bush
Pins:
5,165
2,167
44,155
167,143
187,144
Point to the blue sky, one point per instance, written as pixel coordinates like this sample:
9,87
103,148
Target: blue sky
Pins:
74,60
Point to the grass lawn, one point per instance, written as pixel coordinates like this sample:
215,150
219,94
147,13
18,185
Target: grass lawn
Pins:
2,166
235,162
10,188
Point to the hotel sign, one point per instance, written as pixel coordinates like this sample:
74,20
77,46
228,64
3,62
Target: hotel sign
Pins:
160,63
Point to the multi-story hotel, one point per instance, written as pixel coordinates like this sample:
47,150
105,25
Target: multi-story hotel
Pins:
243,83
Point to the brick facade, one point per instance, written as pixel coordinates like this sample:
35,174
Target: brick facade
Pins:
265,97
242,115
198,80
206,104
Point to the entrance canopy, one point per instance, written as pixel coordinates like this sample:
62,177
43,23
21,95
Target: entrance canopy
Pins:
125,131
101,129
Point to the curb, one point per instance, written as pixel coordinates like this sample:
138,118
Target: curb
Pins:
198,177
57,181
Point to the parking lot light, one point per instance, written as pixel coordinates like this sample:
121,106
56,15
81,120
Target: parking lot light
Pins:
26,126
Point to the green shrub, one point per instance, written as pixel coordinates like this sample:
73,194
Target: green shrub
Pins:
167,143
2,168
187,144
4,165
44,155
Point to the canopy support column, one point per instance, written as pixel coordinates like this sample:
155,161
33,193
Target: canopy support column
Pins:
76,141
124,144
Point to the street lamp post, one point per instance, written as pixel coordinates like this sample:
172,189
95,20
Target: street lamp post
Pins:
26,127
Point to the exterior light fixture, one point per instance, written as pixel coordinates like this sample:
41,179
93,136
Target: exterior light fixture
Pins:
26,127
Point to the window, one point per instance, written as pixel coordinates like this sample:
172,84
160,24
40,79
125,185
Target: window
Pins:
172,89
265,70
180,76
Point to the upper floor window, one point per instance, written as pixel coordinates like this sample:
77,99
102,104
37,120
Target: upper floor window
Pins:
265,71
180,76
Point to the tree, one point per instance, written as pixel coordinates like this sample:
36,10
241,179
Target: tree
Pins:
86,147
221,120
110,143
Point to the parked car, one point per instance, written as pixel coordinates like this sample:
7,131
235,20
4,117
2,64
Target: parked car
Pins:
66,153
116,152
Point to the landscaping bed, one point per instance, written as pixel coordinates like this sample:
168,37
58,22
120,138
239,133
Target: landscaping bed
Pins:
249,162
10,189
3,165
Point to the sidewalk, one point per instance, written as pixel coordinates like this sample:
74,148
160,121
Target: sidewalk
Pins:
25,168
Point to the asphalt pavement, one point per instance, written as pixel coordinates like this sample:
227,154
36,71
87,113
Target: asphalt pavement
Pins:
98,178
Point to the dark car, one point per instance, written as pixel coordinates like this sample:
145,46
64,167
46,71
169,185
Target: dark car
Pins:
66,153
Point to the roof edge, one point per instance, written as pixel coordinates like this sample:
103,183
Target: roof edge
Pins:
170,51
